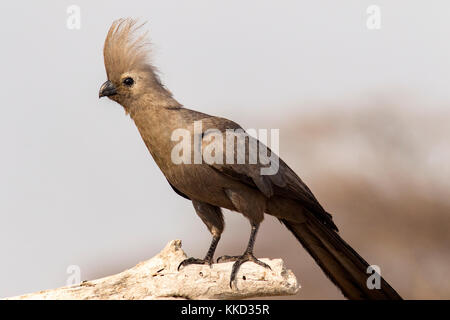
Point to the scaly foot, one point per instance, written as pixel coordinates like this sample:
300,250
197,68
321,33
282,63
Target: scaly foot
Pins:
189,261
247,256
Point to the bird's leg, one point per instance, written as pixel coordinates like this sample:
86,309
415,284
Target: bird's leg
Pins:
247,256
208,258
213,218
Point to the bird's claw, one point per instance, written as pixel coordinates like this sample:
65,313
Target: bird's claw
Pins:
239,260
189,261
227,258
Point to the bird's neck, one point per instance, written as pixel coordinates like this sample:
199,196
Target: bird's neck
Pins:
155,99
156,116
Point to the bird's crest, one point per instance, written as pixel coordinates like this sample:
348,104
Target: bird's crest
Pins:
125,49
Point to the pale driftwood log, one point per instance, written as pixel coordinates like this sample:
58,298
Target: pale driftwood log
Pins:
158,278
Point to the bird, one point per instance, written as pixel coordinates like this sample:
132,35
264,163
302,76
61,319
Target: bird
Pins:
134,83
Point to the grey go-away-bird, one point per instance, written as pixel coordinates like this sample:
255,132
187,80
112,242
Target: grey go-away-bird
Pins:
133,82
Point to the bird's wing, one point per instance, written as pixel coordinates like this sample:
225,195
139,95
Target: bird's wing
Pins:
284,182
340,262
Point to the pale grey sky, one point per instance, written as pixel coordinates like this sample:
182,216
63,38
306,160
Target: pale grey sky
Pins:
77,185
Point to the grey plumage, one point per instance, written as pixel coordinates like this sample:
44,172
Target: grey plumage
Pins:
238,187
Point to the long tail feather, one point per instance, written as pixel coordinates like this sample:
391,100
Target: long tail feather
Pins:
340,262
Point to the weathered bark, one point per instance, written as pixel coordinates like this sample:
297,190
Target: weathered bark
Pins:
158,278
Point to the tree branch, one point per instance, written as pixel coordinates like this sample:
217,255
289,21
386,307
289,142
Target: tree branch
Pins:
158,278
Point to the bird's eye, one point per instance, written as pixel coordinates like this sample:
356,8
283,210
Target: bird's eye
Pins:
128,81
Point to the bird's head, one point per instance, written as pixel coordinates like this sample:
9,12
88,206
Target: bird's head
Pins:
130,74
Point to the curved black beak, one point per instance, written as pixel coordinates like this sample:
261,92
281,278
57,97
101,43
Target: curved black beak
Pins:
107,89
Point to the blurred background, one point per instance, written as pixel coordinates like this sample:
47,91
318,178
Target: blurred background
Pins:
363,117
